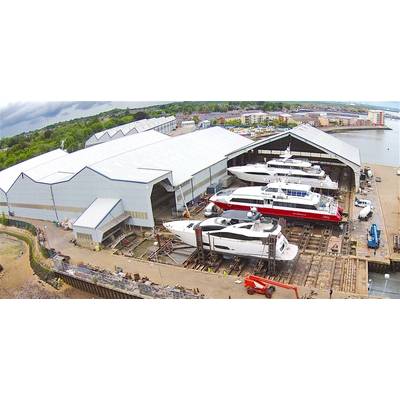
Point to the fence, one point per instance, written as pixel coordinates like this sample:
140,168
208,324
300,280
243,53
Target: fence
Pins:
120,283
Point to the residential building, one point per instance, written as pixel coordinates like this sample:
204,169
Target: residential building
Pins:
323,121
254,118
204,124
377,117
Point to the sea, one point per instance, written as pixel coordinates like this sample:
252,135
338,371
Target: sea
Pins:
376,146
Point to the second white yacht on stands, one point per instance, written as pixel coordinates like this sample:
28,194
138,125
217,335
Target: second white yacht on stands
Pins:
226,236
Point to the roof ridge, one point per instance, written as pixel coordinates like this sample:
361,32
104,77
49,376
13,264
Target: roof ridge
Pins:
131,150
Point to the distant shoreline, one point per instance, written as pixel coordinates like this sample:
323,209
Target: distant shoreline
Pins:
332,129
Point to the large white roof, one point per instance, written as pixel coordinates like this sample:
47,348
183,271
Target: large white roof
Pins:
314,137
64,168
9,175
96,213
142,157
327,141
183,155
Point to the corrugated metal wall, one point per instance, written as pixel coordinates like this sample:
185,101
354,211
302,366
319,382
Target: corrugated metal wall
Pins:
71,198
200,182
30,199
35,200
3,202
88,185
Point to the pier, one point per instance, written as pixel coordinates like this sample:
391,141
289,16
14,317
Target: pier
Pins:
332,129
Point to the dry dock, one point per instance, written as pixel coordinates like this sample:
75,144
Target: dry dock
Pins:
348,128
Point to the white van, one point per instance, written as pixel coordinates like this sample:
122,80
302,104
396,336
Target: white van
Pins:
363,203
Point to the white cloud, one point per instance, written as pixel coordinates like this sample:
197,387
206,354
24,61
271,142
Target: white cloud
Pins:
21,117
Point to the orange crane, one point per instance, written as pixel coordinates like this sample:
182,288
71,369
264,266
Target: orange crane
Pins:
257,284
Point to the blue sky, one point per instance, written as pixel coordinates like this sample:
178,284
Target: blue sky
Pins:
26,116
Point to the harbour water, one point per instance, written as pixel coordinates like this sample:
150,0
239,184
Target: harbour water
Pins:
376,146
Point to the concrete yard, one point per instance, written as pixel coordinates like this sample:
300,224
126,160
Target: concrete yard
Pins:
360,228
389,196
212,285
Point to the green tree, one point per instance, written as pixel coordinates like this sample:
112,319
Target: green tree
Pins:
140,115
3,219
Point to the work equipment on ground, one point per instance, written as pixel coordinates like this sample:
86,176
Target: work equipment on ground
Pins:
365,213
214,188
373,237
257,284
396,243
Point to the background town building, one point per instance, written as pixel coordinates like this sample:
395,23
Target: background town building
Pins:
377,117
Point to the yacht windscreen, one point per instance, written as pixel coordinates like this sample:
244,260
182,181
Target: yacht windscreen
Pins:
299,193
267,189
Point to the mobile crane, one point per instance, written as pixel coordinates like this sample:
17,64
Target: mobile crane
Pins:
257,284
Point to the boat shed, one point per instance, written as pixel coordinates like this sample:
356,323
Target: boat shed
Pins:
162,124
304,141
146,176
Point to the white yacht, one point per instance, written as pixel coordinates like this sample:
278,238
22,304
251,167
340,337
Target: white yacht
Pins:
227,236
285,168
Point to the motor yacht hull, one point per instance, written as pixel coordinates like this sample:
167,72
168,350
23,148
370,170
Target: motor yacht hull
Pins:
248,176
242,248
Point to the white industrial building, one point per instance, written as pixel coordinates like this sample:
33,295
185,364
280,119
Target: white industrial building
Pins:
161,124
133,181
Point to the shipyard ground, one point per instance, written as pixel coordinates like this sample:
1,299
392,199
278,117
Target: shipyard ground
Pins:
17,279
330,258
212,285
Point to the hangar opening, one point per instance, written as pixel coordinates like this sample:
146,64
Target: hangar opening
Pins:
162,200
340,161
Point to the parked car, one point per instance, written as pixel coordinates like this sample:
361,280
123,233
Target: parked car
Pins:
363,203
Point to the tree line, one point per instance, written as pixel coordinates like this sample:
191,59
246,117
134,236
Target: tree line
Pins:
71,134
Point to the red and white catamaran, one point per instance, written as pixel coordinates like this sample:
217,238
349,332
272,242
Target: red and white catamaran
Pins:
281,199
